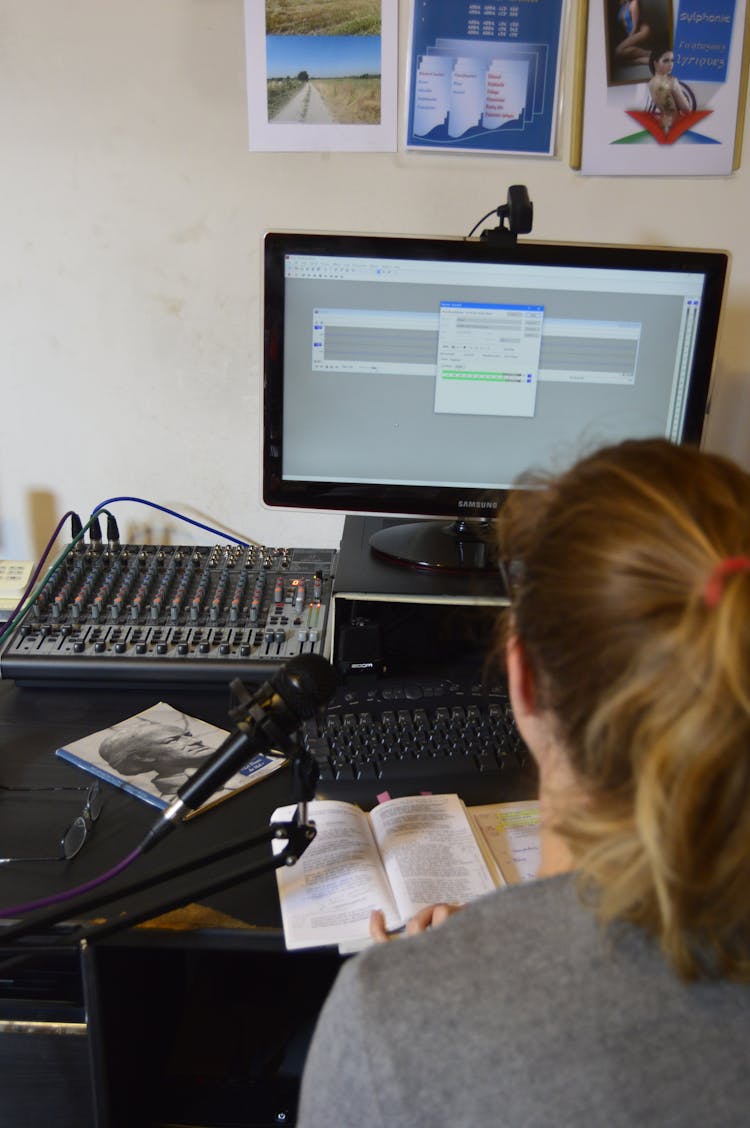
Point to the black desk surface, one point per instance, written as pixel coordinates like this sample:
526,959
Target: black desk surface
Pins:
34,722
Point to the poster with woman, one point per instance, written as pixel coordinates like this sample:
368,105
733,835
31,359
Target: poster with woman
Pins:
663,80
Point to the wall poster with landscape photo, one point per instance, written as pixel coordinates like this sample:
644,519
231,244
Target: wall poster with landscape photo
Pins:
322,74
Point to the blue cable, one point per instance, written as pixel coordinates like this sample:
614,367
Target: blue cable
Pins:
173,513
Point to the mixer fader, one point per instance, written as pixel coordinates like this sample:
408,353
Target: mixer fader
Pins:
140,613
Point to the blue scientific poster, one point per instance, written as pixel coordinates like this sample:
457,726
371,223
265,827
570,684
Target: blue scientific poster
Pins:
484,76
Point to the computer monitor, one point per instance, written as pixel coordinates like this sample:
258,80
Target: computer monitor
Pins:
423,376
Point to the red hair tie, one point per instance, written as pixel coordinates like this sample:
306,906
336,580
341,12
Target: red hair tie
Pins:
714,588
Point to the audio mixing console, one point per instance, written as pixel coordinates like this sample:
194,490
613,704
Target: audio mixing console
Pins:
167,613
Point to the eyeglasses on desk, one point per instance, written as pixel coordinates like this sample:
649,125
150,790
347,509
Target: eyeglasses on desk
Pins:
74,838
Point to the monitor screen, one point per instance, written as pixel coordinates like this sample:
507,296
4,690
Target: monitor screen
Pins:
424,376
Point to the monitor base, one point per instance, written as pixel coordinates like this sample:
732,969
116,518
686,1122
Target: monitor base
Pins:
438,546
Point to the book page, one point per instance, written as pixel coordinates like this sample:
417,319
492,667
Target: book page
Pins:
327,897
511,834
429,852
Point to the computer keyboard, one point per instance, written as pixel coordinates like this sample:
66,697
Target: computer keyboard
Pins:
407,736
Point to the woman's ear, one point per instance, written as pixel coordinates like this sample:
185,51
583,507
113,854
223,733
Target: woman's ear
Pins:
523,696
521,684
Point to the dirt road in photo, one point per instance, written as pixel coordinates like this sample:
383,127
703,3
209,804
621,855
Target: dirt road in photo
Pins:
306,107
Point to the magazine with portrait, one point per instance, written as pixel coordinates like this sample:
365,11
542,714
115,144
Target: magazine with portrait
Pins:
152,754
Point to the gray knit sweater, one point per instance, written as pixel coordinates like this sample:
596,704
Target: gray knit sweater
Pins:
519,1013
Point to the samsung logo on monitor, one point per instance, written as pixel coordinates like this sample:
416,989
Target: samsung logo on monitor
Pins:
477,505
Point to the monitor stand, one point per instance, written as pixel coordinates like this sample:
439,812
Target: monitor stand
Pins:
438,546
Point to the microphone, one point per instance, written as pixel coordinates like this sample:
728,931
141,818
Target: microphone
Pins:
266,720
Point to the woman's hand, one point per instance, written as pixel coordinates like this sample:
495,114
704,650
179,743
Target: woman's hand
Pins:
429,917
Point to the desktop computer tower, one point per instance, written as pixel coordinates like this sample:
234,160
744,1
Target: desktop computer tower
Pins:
390,620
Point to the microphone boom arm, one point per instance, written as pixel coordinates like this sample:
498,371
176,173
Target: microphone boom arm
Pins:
298,834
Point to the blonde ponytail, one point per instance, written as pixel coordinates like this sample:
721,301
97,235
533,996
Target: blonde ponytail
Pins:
638,630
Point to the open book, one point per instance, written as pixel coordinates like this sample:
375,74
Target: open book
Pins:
151,754
404,854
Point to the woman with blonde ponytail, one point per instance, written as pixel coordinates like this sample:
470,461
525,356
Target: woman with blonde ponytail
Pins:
615,989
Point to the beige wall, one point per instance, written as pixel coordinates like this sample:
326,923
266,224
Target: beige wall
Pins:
130,235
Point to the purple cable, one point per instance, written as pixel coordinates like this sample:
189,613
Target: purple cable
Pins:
65,895
35,574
